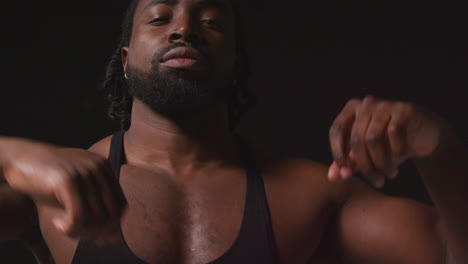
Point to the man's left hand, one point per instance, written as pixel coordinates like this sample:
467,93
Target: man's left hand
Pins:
375,137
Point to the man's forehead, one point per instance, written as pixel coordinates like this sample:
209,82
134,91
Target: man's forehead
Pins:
224,5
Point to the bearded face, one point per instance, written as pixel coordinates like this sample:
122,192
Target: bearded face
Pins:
181,55
170,90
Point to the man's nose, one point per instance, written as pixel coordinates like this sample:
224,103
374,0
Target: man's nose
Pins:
185,30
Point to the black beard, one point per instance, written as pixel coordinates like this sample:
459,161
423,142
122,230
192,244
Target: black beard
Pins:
174,92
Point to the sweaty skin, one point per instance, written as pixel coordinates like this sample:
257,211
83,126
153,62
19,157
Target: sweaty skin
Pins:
185,188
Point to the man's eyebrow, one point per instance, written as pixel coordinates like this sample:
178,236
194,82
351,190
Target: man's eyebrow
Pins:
221,5
157,2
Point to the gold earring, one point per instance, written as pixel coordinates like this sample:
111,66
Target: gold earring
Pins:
126,76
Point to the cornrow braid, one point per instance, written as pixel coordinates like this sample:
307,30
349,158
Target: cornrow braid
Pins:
115,86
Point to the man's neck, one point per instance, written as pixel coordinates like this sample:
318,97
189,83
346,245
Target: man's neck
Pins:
201,139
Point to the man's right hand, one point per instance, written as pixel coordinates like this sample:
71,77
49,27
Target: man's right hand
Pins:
78,182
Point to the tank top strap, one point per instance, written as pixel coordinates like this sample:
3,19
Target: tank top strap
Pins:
116,153
256,231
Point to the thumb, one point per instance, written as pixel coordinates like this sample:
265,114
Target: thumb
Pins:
59,223
334,172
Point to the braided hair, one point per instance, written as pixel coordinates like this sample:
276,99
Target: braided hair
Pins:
120,101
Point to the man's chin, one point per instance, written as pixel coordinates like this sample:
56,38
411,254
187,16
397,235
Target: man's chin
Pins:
171,91
182,110
180,74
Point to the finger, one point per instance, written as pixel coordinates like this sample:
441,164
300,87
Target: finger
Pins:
103,180
377,140
112,192
334,172
372,177
357,137
93,193
75,209
396,136
110,202
358,146
340,131
393,174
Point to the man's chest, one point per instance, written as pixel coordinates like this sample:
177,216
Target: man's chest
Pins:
167,222
193,222
202,223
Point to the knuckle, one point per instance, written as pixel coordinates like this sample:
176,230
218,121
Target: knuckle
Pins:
384,106
373,138
403,107
411,110
394,129
61,173
353,102
355,143
64,180
336,129
86,174
94,165
101,162
56,182
369,99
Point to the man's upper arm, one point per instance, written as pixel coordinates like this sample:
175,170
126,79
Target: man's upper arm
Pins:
373,228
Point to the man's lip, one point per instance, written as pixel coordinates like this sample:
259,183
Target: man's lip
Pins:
182,53
183,63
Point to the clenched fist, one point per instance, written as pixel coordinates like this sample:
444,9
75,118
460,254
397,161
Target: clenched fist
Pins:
374,137
78,182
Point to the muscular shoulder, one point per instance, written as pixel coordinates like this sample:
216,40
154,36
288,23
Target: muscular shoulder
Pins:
303,179
302,201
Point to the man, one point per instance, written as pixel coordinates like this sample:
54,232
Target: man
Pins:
185,190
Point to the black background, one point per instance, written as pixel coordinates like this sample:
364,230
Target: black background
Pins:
307,57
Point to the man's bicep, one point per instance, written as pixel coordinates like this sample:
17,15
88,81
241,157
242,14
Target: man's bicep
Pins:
373,228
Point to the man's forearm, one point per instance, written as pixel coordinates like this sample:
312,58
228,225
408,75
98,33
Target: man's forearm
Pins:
17,210
3,157
445,174
8,146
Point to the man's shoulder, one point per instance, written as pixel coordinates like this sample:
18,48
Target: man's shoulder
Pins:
299,177
102,146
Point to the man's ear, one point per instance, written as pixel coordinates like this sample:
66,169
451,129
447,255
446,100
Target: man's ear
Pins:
124,53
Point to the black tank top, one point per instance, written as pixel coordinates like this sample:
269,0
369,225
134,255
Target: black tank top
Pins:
254,243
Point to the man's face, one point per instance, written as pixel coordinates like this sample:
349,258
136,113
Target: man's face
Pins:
181,54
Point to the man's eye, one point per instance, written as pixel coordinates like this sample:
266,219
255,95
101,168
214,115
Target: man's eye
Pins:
159,20
208,21
211,23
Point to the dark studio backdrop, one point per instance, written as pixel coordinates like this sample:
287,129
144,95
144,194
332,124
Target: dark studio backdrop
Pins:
308,59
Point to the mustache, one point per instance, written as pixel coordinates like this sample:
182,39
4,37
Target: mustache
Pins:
158,56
